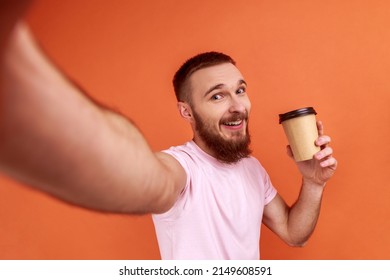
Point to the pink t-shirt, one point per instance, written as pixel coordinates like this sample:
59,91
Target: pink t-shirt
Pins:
218,215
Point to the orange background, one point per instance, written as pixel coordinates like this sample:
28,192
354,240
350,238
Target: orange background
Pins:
332,55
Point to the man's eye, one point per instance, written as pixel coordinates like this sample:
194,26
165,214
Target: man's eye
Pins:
216,97
240,90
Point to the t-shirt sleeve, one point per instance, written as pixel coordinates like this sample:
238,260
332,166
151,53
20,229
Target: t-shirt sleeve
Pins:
175,210
269,190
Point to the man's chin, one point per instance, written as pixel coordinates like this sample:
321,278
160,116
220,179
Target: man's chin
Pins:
235,139
233,135
232,150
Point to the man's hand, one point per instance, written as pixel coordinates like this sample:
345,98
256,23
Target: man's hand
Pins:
323,165
295,224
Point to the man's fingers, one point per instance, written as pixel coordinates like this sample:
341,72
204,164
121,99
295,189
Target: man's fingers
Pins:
323,140
320,128
330,162
326,152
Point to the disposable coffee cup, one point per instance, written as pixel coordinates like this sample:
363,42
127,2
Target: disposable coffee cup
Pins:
300,128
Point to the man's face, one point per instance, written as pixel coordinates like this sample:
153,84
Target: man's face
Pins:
220,107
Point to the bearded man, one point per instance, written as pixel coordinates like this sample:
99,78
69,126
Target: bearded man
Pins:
227,193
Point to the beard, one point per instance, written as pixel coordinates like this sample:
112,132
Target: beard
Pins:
225,150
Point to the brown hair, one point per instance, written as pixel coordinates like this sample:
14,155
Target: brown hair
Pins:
193,64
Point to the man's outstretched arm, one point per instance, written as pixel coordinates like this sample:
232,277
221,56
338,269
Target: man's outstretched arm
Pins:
56,139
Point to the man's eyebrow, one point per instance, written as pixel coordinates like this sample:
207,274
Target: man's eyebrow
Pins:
219,86
240,82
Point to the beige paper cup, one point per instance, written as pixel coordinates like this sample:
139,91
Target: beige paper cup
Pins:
301,130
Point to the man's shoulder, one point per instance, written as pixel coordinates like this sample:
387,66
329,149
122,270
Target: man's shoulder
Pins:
179,149
251,160
184,154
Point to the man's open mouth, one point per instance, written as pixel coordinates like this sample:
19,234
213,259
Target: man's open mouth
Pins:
233,123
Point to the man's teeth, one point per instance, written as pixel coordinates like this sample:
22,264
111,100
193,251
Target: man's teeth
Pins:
233,123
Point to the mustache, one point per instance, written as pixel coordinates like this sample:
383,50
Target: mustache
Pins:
235,117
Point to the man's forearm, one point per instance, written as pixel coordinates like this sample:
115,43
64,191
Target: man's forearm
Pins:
41,143
303,215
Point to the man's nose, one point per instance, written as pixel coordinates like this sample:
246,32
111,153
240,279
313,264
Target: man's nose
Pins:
237,105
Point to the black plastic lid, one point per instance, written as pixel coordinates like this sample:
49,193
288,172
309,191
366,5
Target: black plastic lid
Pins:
296,113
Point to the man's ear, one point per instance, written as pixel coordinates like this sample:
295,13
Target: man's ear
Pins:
185,111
